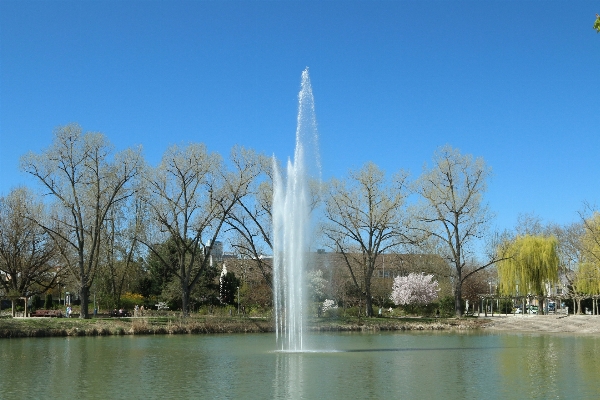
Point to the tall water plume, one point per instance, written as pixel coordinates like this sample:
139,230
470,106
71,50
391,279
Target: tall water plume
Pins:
292,225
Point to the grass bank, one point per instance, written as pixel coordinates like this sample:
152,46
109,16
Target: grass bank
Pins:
49,327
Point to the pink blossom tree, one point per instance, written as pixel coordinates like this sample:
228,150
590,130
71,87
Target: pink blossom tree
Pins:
414,289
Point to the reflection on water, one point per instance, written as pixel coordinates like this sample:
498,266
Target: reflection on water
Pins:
389,365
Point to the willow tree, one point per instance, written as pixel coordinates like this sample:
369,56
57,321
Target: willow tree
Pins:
530,263
587,277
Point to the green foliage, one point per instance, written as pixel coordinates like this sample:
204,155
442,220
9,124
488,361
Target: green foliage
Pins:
160,275
529,261
597,24
129,300
446,306
229,288
587,279
49,303
506,306
35,302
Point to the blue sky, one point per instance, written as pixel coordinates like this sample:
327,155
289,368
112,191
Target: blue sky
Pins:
515,82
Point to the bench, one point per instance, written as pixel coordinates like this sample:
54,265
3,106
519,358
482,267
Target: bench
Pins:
47,313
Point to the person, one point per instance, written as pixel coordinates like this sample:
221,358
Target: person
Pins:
142,310
135,310
68,311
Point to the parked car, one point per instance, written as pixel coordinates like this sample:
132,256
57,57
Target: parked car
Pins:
532,310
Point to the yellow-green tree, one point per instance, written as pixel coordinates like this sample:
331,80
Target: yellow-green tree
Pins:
597,23
587,277
530,261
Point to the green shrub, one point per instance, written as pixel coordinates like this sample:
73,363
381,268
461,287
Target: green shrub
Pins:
49,303
446,306
35,302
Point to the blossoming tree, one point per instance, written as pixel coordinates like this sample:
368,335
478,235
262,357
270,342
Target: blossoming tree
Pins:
414,289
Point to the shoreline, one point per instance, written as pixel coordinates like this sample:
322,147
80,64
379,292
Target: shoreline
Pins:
62,327
553,323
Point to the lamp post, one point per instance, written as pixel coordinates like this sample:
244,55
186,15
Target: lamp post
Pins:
238,288
491,300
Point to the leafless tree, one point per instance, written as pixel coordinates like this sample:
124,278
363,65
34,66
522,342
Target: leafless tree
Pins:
364,219
250,220
27,253
452,210
86,182
190,195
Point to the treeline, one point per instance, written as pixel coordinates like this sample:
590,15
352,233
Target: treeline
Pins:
111,226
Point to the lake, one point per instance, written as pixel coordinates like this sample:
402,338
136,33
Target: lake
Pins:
421,365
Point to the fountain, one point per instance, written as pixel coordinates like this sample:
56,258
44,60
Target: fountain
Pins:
291,226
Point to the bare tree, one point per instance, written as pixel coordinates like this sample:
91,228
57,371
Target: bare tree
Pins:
365,219
86,183
27,254
452,210
251,218
190,195
121,250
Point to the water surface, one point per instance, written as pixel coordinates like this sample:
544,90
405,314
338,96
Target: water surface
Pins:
343,366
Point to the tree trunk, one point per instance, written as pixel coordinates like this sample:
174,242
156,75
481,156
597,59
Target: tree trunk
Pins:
458,298
84,296
368,298
185,298
368,306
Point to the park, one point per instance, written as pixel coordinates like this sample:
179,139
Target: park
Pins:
433,233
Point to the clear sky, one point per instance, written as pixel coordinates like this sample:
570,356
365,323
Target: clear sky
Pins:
515,82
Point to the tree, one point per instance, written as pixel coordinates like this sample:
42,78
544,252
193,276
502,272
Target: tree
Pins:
414,289
364,220
86,183
597,23
316,285
586,281
27,253
251,218
190,195
452,211
529,261
229,285
121,252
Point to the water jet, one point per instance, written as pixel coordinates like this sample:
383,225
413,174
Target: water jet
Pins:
292,226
